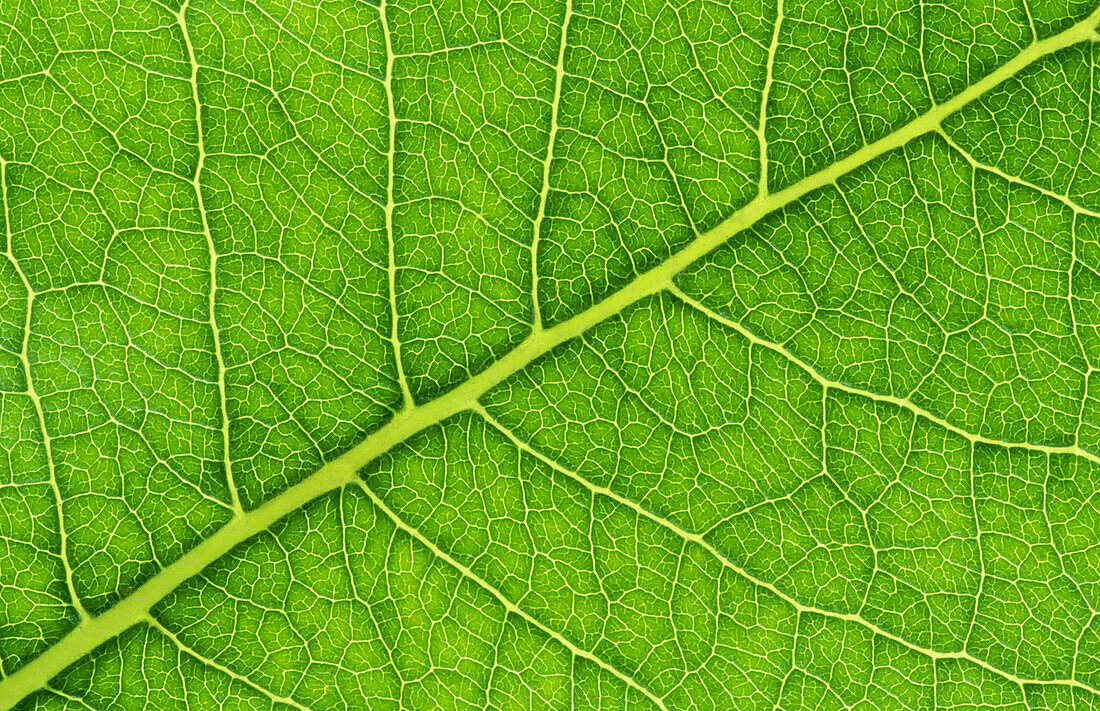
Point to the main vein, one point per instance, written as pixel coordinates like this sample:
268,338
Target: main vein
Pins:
343,470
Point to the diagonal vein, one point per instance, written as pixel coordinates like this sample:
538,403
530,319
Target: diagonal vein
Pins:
342,470
702,542
154,623
903,403
508,604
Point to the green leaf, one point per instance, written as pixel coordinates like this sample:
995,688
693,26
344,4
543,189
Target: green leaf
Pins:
556,354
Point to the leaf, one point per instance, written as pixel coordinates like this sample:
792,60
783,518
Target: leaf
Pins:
680,355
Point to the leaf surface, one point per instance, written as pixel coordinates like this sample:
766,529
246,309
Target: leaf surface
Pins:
552,354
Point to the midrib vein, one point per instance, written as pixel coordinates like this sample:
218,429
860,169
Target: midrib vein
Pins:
91,633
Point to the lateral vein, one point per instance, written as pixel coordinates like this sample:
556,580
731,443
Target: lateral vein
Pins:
391,264
901,402
36,401
227,460
559,77
508,604
706,545
156,625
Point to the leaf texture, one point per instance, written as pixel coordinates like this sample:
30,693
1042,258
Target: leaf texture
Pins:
470,354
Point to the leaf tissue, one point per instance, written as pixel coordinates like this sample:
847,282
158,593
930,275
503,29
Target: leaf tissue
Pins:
678,355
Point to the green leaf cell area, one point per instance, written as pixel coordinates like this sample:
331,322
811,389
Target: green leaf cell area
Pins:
680,355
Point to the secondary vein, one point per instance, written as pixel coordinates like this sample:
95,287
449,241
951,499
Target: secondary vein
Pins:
227,460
